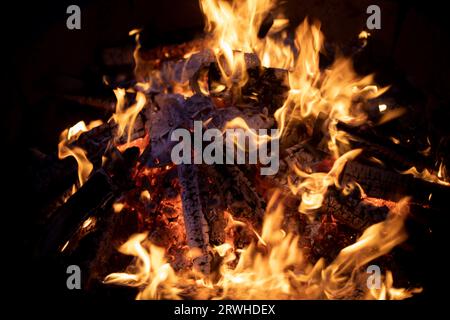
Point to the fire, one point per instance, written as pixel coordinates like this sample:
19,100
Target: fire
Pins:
153,271
274,267
331,92
315,185
126,117
442,172
117,207
234,30
426,175
65,149
364,34
376,241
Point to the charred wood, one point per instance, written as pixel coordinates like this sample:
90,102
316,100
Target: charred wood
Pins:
385,149
197,230
93,195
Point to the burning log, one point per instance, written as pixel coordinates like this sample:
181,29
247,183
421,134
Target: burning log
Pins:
196,226
165,115
89,200
355,211
265,87
385,184
166,53
385,149
251,198
92,196
171,112
97,142
214,203
376,182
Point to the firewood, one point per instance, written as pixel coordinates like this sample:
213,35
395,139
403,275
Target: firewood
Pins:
390,185
213,202
169,52
250,196
94,194
196,226
376,182
385,149
356,212
97,141
165,116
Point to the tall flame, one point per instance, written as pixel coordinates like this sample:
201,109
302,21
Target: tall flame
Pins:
234,30
125,118
332,92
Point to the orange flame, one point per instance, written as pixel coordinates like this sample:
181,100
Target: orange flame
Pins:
273,268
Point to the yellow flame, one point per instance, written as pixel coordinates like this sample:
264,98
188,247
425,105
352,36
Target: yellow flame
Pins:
65,149
88,222
117,207
382,107
153,271
64,247
332,92
234,30
125,118
145,195
426,175
315,185
364,34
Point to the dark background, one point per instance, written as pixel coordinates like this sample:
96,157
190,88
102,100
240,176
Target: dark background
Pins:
45,60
